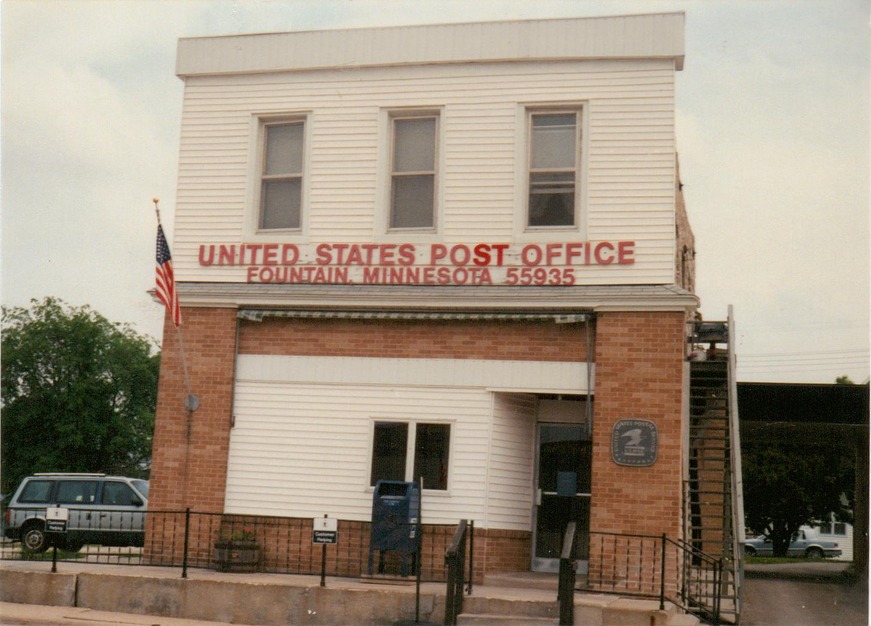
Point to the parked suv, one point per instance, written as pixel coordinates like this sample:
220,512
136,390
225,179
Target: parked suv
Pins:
105,510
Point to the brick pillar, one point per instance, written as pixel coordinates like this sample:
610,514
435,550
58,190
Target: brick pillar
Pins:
639,375
189,464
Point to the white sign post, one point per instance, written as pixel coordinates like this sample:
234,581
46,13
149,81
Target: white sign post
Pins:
325,531
56,519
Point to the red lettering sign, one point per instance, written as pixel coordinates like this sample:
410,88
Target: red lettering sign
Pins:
485,263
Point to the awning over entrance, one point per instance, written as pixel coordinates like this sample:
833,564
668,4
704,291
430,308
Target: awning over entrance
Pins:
258,315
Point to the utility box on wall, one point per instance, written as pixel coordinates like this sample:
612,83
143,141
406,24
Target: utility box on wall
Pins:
395,523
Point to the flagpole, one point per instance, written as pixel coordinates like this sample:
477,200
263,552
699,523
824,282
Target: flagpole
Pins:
191,402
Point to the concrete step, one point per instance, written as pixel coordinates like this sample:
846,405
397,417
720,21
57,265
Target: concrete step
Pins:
683,619
501,606
466,619
524,580
512,607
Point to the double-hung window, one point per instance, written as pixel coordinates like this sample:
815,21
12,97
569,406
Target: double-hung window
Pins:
410,451
554,168
413,171
281,180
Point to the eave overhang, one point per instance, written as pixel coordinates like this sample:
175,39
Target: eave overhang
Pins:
443,299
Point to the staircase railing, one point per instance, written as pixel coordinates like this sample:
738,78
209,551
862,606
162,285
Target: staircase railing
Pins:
652,566
455,560
566,592
738,537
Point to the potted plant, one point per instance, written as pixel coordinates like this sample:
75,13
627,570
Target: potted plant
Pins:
237,551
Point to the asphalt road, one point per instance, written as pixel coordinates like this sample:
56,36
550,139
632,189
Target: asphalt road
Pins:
803,598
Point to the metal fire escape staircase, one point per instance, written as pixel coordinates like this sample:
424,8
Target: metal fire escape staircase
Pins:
714,509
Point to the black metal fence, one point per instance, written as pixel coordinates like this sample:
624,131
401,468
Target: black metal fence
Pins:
455,559
225,542
653,566
631,565
567,576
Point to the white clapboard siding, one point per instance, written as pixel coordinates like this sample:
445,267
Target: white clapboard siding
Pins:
533,376
304,450
628,183
511,468
301,444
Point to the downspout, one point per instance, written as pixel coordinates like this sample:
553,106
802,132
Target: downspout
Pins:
590,361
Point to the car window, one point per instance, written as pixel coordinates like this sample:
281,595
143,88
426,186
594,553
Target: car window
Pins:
36,491
142,486
77,492
119,494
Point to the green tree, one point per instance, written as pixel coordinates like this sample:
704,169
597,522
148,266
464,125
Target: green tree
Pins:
787,485
844,380
79,393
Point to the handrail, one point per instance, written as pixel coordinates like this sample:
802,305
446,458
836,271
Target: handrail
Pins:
566,589
455,559
656,567
737,472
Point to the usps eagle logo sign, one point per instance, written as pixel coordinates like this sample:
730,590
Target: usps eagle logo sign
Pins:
634,442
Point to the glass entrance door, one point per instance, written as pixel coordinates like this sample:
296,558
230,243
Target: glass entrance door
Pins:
563,493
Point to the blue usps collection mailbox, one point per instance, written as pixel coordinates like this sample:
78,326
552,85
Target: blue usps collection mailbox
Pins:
395,523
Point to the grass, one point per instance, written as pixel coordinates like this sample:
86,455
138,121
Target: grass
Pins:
48,555
777,560
769,560
10,550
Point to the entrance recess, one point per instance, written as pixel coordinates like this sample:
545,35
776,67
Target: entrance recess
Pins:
563,493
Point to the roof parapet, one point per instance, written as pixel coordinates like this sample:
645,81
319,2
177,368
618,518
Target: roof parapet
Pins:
650,36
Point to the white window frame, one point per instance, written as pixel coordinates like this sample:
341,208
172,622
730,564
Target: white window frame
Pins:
411,445
384,200
525,112
257,162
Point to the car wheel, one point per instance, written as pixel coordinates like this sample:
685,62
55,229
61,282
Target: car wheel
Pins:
749,551
814,553
73,546
33,538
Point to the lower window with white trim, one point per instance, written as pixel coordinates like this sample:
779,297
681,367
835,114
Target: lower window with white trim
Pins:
410,451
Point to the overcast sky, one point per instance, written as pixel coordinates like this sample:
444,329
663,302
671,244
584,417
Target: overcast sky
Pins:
772,131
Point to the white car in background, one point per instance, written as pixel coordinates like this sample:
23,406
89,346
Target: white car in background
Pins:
805,543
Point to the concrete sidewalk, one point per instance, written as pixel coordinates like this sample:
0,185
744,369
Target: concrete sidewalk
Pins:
206,596
98,594
12,614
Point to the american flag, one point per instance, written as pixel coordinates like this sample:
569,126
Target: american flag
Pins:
165,279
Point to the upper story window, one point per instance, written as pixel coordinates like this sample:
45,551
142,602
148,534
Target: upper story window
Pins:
413,171
554,168
281,179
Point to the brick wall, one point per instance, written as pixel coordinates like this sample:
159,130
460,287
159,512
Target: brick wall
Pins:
189,461
522,341
685,248
639,374
285,546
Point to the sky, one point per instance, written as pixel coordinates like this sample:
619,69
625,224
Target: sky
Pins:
772,133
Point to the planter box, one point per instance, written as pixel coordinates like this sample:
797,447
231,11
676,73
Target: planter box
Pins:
237,556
